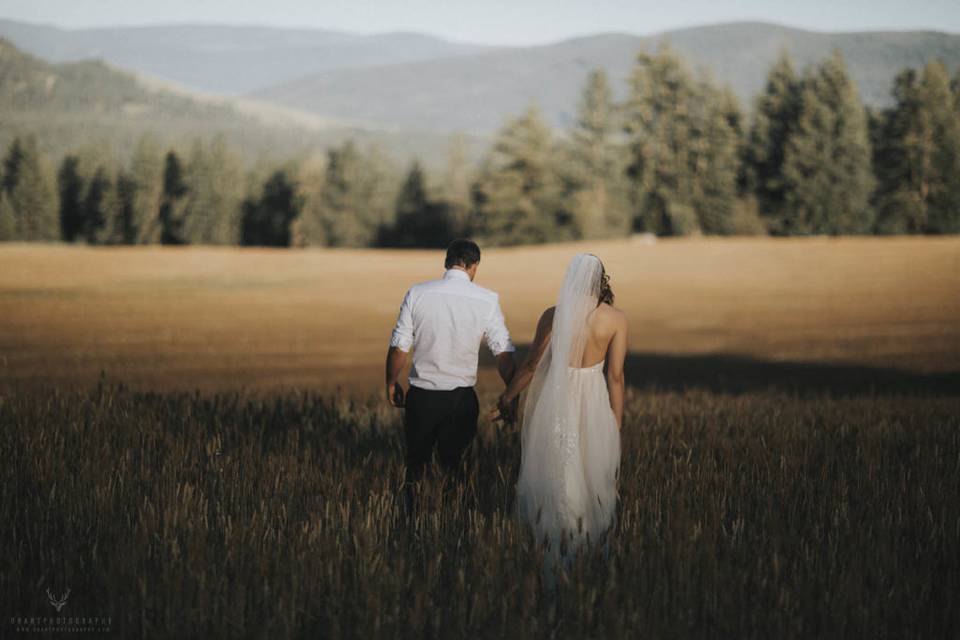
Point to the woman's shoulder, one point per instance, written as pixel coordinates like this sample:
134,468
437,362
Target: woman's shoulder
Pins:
609,308
612,312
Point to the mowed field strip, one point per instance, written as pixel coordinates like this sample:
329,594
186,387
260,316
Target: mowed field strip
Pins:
180,318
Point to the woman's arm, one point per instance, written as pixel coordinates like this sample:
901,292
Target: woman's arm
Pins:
616,354
524,374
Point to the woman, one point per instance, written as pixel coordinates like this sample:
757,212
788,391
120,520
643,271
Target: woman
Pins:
570,432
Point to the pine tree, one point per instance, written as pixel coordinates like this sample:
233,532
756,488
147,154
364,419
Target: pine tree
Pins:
382,184
71,186
11,165
146,172
123,205
199,198
902,158
341,199
212,205
593,175
955,87
682,149
354,205
29,186
729,106
95,205
227,181
420,221
267,220
412,206
714,159
517,193
658,123
8,220
944,184
175,188
776,114
827,172
308,230
89,203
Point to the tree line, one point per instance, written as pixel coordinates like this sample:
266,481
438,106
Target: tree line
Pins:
677,156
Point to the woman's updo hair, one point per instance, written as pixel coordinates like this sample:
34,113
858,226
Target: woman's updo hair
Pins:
605,293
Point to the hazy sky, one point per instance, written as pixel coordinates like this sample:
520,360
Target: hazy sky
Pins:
496,21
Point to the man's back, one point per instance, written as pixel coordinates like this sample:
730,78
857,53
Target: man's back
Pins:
444,321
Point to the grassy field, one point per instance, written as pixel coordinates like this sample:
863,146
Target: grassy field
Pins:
791,447
754,515
219,319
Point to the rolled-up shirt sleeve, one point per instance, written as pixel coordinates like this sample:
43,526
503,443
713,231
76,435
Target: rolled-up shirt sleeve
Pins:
402,337
496,334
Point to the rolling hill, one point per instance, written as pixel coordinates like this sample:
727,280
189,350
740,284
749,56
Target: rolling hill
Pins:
70,105
429,88
227,59
477,92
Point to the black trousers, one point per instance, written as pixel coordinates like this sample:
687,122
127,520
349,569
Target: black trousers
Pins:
441,420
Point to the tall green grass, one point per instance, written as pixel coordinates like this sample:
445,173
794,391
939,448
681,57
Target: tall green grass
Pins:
765,514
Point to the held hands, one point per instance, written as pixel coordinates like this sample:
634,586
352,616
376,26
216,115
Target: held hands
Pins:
506,410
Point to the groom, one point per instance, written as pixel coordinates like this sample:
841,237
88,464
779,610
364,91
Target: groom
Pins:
444,321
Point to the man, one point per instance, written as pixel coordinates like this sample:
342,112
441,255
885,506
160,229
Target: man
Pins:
444,322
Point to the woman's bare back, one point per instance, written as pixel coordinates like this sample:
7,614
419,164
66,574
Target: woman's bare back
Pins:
602,325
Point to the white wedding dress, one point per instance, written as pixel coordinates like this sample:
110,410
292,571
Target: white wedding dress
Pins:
570,457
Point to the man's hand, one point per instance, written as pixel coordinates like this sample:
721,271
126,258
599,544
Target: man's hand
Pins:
396,359
506,410
395,395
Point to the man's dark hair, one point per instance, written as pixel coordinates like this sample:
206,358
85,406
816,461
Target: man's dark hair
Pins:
462,252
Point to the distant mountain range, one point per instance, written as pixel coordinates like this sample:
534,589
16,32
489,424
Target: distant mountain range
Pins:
408,82
476,92
72,105
227,59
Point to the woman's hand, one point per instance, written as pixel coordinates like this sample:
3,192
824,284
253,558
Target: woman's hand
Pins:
506,409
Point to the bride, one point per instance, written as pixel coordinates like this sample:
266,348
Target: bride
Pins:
572,414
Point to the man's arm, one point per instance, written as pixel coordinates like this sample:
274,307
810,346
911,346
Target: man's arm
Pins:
396,361
500,345
400,342
506,366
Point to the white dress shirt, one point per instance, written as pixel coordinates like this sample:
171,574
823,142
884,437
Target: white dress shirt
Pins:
444,321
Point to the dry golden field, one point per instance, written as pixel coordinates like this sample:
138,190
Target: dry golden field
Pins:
745,510
263,320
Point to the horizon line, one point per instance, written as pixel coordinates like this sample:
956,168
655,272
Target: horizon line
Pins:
451,40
